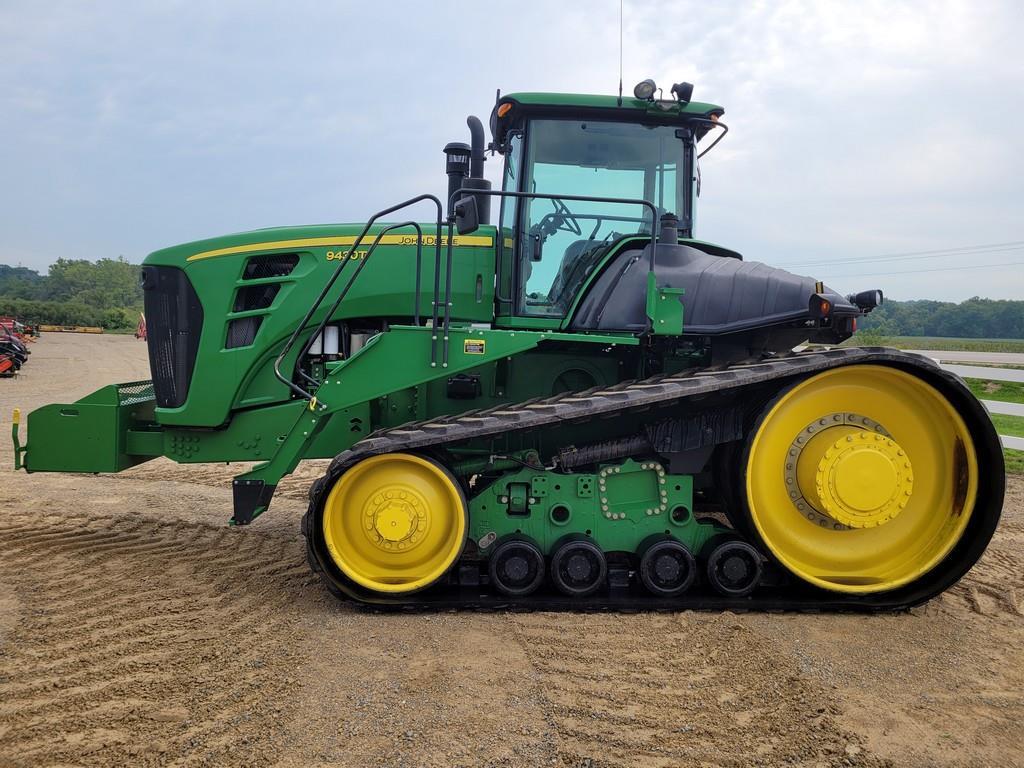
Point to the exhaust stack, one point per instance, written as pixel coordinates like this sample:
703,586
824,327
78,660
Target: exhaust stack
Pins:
465,168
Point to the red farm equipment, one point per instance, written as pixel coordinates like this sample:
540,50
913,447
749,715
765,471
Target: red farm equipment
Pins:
14,352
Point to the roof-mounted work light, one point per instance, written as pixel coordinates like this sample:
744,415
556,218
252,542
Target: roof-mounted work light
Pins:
645,89
683,92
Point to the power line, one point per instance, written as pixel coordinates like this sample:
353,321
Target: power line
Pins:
904,258
935,254
934,269
941,251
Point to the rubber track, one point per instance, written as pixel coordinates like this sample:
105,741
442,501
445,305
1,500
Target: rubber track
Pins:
663,390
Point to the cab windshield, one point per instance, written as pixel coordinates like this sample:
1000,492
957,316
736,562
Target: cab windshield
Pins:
560,242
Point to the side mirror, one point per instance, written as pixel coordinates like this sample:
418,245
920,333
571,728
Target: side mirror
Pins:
536,246
467,217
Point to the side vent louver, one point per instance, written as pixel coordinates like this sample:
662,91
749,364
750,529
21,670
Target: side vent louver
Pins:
249,298
255,297
242,332
270,265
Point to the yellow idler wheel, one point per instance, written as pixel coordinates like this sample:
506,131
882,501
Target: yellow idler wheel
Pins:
861,479
395,523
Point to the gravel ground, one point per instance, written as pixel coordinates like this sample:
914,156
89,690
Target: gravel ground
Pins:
137,629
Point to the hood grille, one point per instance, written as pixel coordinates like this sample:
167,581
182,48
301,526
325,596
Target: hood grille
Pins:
174,323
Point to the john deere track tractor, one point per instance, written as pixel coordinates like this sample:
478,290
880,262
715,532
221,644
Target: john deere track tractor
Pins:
577,405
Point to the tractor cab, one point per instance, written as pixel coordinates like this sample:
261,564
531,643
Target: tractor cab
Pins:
579,167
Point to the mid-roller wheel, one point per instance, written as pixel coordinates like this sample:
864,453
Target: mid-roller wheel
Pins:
516,567
578,567
733,568
667,568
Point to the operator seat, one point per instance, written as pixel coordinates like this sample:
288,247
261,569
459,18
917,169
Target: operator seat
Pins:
574,254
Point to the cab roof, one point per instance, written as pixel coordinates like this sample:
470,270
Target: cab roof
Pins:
596,107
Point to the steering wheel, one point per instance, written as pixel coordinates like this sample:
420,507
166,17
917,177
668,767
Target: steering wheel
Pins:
563,218
560,220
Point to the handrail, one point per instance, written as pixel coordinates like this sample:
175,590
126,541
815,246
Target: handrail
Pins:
713,124
295,388
344,291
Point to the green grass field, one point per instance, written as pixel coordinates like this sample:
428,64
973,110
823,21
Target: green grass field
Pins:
867,338
1012,426
1006,392
1003,391
1014,461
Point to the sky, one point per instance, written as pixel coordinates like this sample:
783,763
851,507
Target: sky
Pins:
872,144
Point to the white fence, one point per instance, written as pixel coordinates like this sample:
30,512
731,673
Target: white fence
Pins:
985,372
994,374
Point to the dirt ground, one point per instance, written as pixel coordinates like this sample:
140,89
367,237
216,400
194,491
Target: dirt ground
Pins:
136,628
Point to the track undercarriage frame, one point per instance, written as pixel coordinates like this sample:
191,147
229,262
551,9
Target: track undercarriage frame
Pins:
467,583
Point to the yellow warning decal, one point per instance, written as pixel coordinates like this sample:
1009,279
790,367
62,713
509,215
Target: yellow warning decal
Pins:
474,346
479,241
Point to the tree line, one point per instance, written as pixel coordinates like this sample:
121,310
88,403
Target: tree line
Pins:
103,293
975,318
